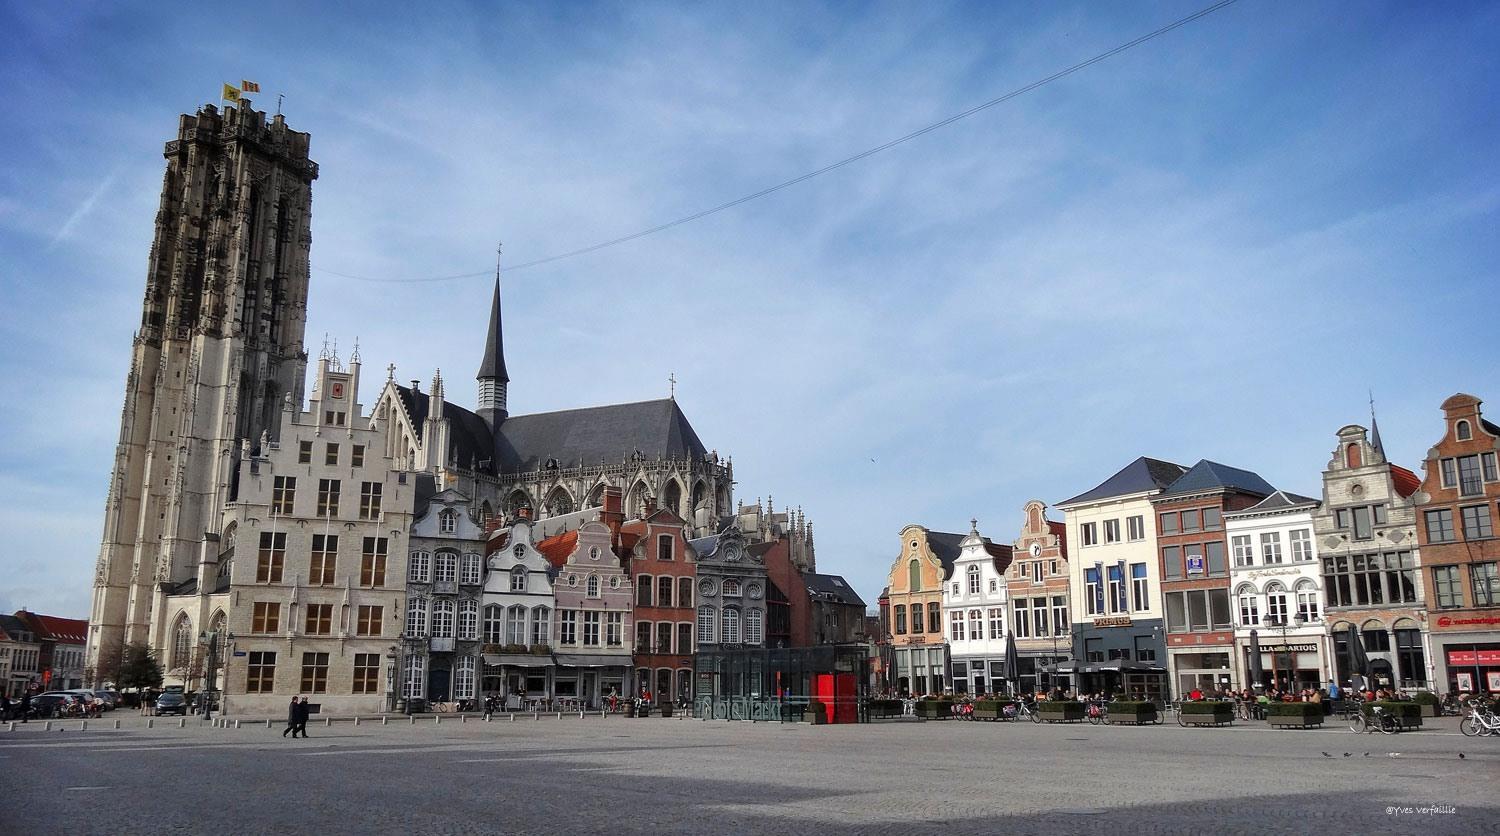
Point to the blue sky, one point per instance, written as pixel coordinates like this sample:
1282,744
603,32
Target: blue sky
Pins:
1211,246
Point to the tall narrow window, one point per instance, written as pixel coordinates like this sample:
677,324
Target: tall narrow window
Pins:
541,629
416,617
567,627
1249,607
370,620
914,576
369,500
956,626
494,625
614,629
1244,553
314,673
729,626
272,557
591,623
357,457
1023,618
1140,587
684,592
664,587
1093,593
518,579
468,619
753,628
900,619
325,559
707,619
473,569
973,576
447,522
934,617
304,452
283,495
463,678
330,454
328,497
515,625
445,567
419,567
372,562
1117,602
442,618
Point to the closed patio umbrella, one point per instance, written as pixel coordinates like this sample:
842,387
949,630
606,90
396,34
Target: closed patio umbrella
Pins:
1358,661
1012,665
1257,670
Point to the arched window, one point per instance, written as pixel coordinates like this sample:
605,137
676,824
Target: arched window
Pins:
485,512
637,503
559,502
1249,606
753,627
591,588
643,637
442,618
1276,603
664,584
643,590
1308,602
731,588
596,496
541,626
518,579
729,626
973,574
1352,457
914,576
416,617
700,495
419,567
664,637
494,625
1462,431
684,592
447,567
515,625
463,680
684,638
468,619
182,643
473,573
673,498
447,522
706,624
517,501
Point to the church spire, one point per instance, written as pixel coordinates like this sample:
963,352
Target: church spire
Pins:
492,376
1375,429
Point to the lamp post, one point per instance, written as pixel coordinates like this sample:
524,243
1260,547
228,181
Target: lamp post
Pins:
210,671
1284,624
390,678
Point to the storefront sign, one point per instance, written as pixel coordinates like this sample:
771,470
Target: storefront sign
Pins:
1113,621
1289,648
1474,657
1476,621
1195,564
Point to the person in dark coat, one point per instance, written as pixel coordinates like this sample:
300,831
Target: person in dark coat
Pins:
291,718
303,710
26,703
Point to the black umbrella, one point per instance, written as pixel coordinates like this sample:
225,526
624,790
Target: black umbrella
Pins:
1012,665
1257,670
1358,661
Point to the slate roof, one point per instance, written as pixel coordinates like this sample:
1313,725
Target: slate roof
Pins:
832,586
1277,501
425,490
13,627
1143,474
1000,556
469,434
587,436
1212,476
945,547
493,362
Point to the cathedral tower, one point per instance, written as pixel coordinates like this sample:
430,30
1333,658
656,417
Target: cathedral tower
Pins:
492,376
219,349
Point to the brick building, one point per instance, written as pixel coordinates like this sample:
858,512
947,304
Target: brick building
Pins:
1038,592
664,572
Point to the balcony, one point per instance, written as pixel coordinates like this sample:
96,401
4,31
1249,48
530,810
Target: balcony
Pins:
445,587
443,645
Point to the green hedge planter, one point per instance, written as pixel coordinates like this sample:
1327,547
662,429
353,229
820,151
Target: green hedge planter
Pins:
1294,715
1138,713
1428,701
991,709
1408,714
935,709
1061,711
1210,713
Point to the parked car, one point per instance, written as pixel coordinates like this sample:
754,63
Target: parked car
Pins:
111,699
172,702
196,699
89,698
55,704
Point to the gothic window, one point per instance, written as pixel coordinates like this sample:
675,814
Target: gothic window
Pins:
182,643
673,498
559,502
637,499
700,494
517,502
596,496
485,512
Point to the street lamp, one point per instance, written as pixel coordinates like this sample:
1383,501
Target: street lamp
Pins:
210,671
1284,624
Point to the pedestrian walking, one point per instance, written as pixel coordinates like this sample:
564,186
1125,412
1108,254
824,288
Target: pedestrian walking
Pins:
303,709
25,703
291,718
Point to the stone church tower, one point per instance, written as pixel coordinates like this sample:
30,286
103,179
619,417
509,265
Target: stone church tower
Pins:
218,351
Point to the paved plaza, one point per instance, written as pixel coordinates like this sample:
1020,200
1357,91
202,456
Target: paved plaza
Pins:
655,776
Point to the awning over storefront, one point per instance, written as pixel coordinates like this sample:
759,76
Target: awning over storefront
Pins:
1118,665
518,660
592,660
1065,666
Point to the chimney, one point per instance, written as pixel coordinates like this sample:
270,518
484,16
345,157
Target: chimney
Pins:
612,513
523,513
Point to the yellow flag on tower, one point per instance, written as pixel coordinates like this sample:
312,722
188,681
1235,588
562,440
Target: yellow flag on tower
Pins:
249,87
231,93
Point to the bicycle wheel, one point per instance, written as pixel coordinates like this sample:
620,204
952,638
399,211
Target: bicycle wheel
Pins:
1359,724
1469,726
1036,716
1180,720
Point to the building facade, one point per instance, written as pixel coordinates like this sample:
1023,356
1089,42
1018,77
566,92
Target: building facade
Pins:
673,616
21,656
919,653
1459,508
1277,594
445,573
594,615
1114,572
1372,579
1039,598
1195,571
218,350
518,614
62,643
975,600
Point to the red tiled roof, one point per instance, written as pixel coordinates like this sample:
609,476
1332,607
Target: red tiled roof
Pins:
1405,481
56,628
557,548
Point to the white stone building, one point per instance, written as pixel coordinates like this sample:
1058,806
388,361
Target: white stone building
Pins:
975,600
1276,590
518,616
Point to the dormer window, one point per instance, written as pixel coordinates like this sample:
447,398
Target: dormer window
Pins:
447,522
518,579
1462,431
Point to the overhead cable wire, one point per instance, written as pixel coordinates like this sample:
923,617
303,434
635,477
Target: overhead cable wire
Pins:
1019,91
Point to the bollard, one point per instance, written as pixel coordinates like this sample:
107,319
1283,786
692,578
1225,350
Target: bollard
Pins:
268,722
536,715
559,715
182,723
356,719
150,722
602,715
12,725
413,719
327,722
512,718
236,723
47,727
117,724
580,714
463,718
489,718
384,720
83,726
437,719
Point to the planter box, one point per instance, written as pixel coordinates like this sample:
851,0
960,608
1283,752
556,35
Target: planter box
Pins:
1408,714
666,711
884,708
1136,713
1061,712
1287,721
934,709
816,714
991,709
1213,713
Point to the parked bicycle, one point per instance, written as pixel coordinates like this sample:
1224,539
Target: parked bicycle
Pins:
1481,722
1020,709
1378,719
1098,712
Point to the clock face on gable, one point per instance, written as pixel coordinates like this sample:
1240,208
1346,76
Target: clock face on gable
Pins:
1036,549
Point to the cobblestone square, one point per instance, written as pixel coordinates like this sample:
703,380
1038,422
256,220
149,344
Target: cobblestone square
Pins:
658,776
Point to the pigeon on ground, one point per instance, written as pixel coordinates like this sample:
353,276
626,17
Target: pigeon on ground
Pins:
1461,756
1326,755
1395,754
1348,754
1367,754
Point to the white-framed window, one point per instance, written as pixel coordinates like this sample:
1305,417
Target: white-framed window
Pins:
541,625
567,626
997,623
753,629
1060,623
1249,607
731,588
994,585
1244,552
1023,618
973,575
447,522
419,567
518,579
591,587
956,626
1270,547
473,571
729,626
446,567
1462,431
1039,617
1140,587
1090,533
614,629
468,620
1276,603
463,679
515,625
416,617
1308,600
1093,593
1302,547
1111,531
414,682
707,622
976,624
1135,527
591,623
1036,571
442,618
494,624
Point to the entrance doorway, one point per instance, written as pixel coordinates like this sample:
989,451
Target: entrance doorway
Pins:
437,685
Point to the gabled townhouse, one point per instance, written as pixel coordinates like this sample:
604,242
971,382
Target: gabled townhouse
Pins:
1114,574
1459,507
919,653
444,589
518,616
974,607
1039,592
594,615
664,571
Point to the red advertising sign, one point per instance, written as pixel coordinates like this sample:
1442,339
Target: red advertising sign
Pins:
1474,657
1469,621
